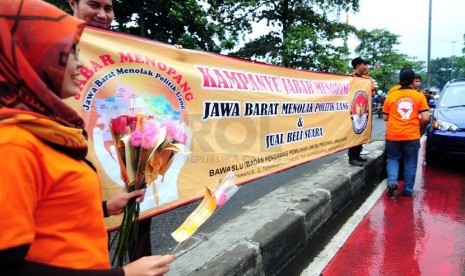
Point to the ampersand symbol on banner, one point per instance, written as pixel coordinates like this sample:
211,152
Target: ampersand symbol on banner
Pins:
300,122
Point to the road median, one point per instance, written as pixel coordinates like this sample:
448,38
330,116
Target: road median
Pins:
277,227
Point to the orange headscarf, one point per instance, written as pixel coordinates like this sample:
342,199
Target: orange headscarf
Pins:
35,41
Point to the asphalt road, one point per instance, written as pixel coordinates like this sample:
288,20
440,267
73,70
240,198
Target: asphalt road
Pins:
164,224
429,224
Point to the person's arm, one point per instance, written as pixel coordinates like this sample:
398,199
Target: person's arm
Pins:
105,209
424,117
12,263
424,111
116,204
385,110
150,265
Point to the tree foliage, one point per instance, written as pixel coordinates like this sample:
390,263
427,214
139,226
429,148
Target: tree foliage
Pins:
378,46
175,22
61,4
302,33
463,49
171,21
444,69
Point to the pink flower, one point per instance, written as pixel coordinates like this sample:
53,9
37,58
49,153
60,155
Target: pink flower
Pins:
221,200
150,130
136,138
171,129
180,137
174,132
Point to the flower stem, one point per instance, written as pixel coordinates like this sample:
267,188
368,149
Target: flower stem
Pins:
126,236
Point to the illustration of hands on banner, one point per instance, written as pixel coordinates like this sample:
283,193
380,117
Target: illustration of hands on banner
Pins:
210,203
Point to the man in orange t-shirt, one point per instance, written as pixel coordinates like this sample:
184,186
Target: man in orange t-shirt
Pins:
405,110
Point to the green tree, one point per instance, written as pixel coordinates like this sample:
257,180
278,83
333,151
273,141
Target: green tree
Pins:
378,46
302,34
441,70
61,4
175,22
463,49
305,34
170,21
459,68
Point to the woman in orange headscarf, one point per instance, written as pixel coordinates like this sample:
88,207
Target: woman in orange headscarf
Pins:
51,215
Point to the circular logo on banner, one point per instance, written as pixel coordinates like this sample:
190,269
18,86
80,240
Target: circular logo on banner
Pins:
359,112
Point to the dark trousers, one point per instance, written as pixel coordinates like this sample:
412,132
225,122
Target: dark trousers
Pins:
354,152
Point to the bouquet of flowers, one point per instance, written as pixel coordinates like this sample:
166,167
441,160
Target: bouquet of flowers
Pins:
163,156
145,149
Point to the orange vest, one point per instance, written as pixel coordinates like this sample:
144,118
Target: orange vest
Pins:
50,201
373,86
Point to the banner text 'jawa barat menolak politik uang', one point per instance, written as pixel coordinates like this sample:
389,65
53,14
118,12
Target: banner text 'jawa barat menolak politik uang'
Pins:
250,118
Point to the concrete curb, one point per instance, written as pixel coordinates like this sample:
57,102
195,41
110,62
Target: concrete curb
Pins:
278,226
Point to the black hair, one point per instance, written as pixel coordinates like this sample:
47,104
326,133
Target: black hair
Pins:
406,77
358,60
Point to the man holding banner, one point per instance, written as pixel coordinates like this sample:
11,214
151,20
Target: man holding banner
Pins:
360,70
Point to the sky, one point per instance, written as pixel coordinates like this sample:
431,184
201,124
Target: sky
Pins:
409,20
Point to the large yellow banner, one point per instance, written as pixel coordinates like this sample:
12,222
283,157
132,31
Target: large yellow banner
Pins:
250,118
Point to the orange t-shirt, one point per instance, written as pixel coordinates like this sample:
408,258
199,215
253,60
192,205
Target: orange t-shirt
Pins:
50,201
404,107
394,88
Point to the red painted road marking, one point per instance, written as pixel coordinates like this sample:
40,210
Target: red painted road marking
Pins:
421,235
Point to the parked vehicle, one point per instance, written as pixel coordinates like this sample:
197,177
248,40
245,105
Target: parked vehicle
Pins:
446,131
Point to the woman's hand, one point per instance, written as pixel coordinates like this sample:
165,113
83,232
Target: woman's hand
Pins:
149,266
116,204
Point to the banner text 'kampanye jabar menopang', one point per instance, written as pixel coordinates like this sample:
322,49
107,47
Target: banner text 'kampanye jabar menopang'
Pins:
250,118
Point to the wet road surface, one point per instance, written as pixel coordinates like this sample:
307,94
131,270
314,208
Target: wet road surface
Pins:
419,235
